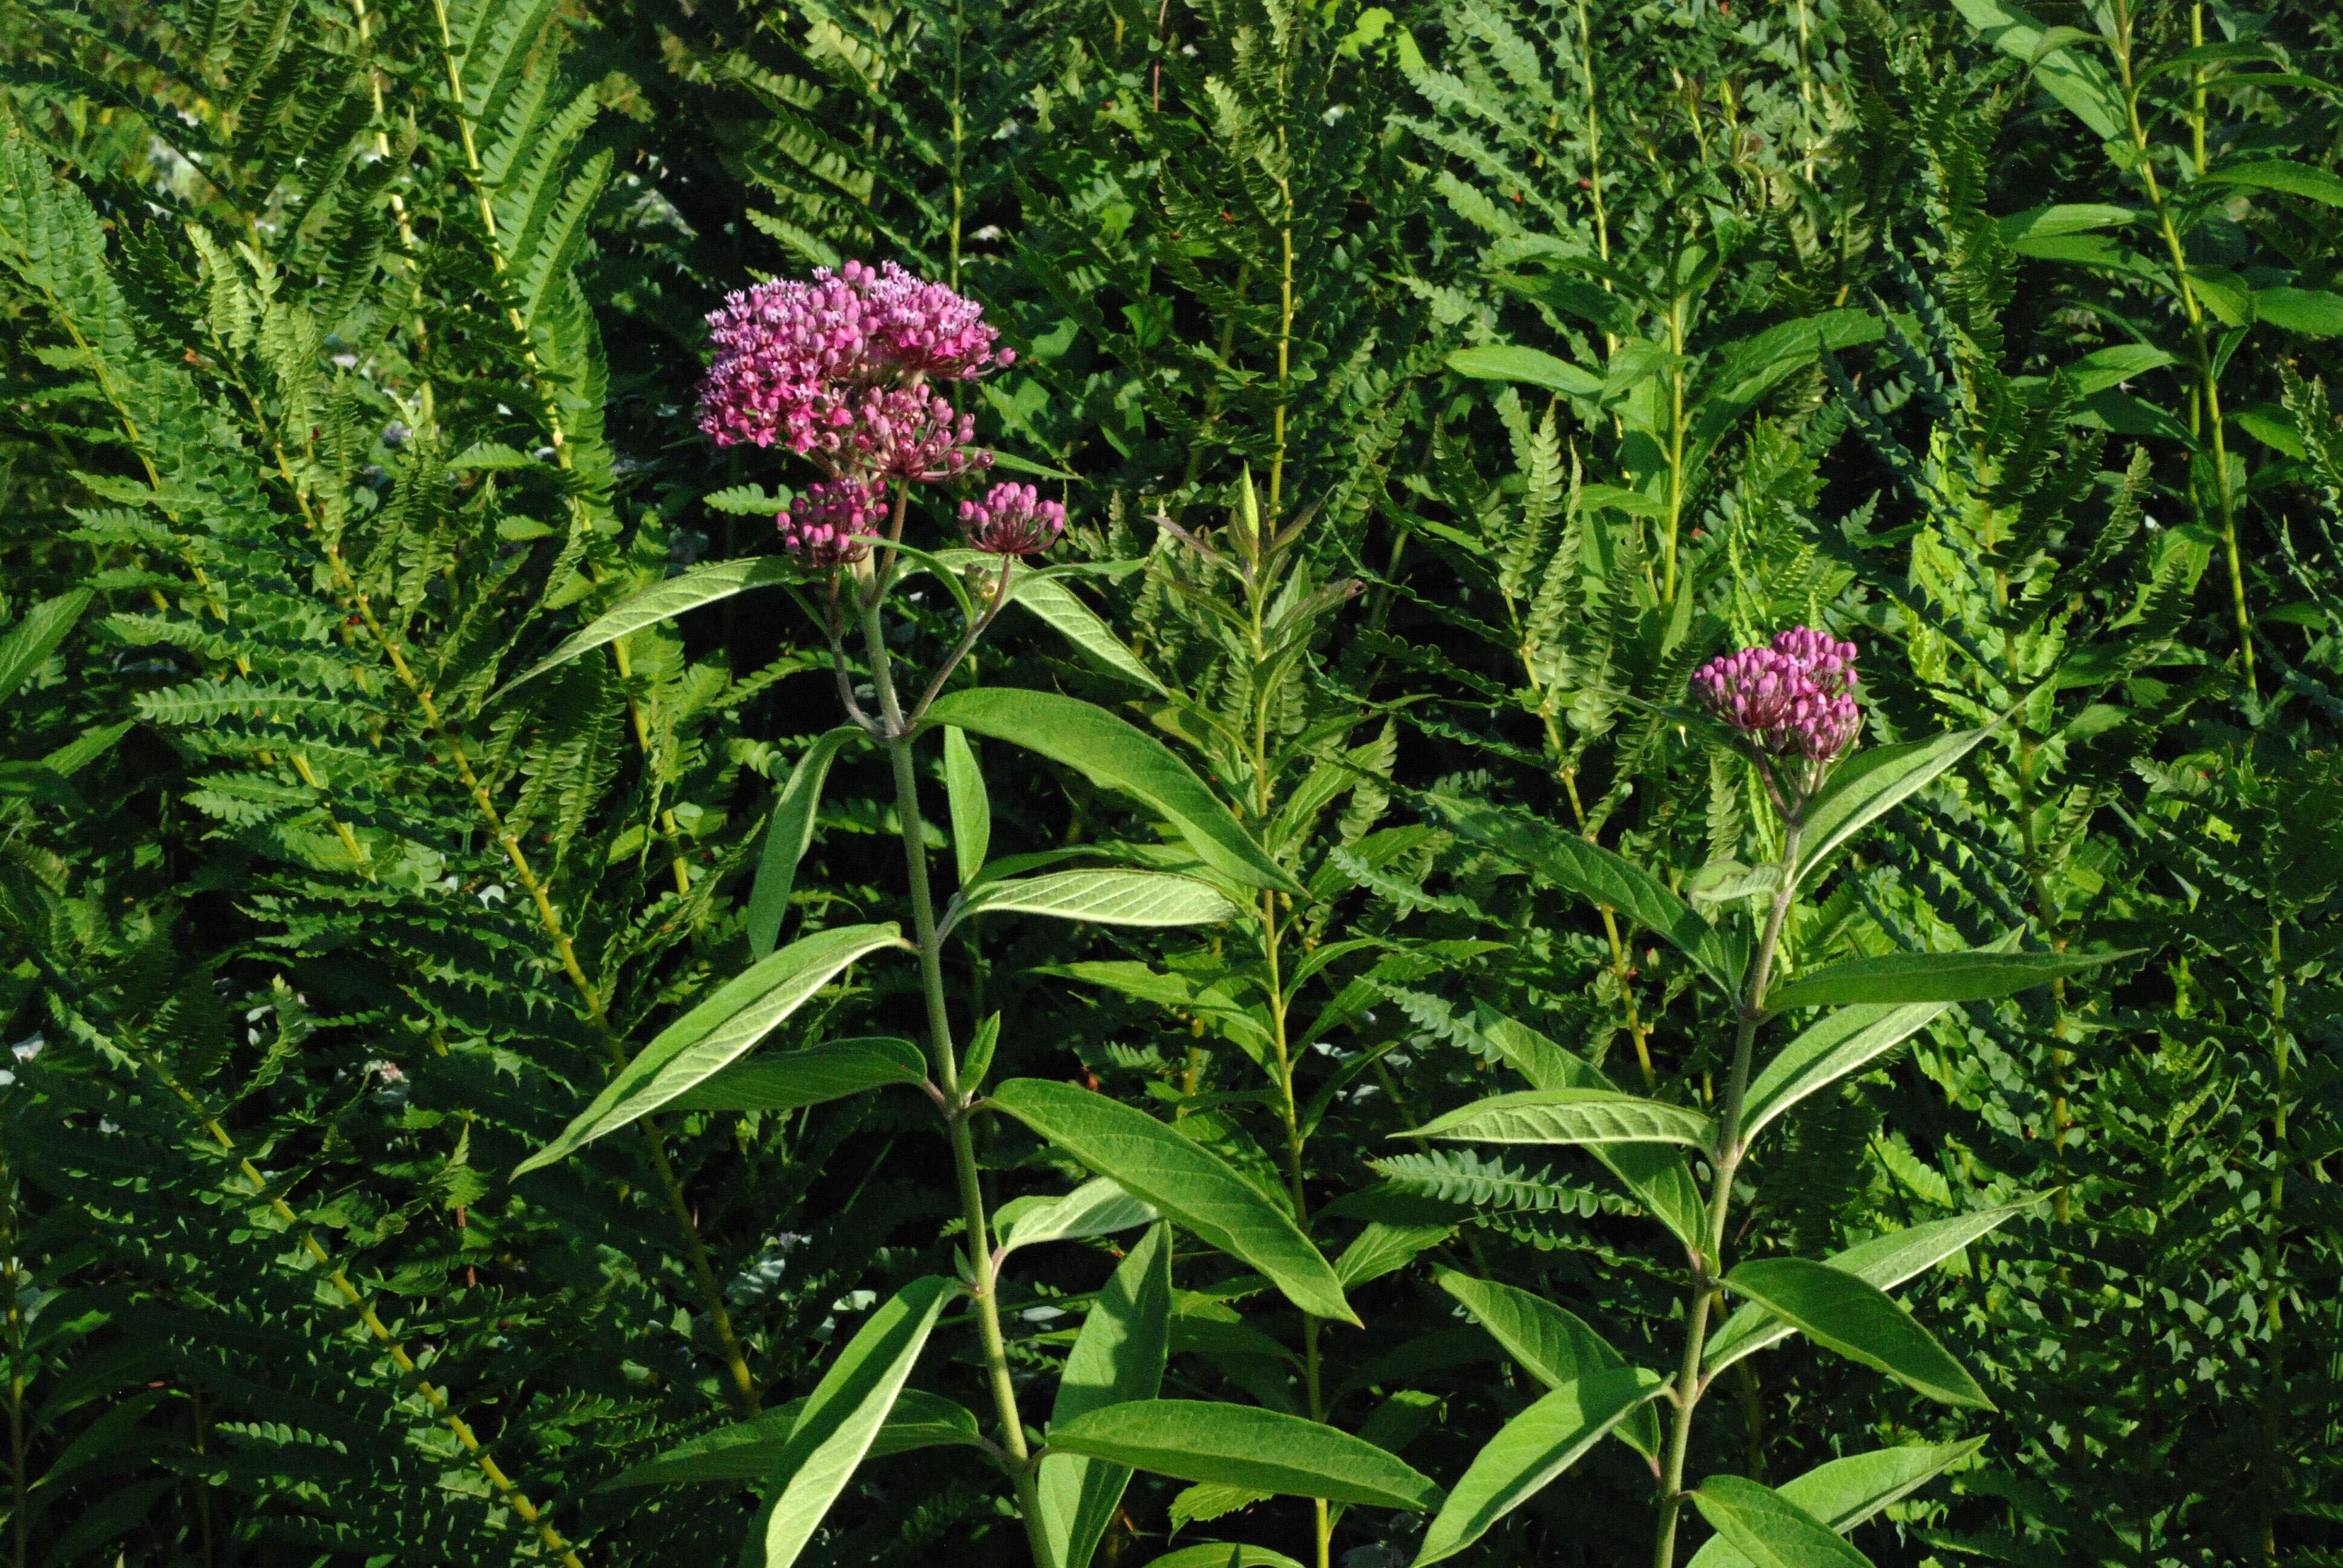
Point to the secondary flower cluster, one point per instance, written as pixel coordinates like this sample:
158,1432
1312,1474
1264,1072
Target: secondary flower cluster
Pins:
1012,520
836,367
1794,700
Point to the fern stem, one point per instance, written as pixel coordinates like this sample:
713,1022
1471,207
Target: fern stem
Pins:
557,435
719,1317
2274,1502
1708,1266
2207,373
985,1280
13,1314
507,1490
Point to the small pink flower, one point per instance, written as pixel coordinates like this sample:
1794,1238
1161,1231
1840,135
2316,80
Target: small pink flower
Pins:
833,522
1793,701
1012,520
794,357
903,433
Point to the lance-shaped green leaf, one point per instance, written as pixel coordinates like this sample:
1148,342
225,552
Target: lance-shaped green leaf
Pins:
747,1451
1504,362
1096,1208
971,806
1054,603
1600,876
1245,1446
2278,175
1570,1116
1531,1450
1770,1529
1118,1358
1870,783
27,645
1118,756
1109,896
1848,1313
1844,1492
1654,1172
1976,974
840,1423
1552,1345
1834,1046
716,1033
665,601
1191,1185
2068,73
1885,1261
786,1080
787,836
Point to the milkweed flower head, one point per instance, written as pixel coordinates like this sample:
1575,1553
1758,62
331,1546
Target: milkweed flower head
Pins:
1012,520
1792,700
833,522
794,356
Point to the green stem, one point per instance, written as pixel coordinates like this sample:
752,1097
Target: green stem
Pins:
1708,1267
2207,377
946,1064
2273,1242
15,1316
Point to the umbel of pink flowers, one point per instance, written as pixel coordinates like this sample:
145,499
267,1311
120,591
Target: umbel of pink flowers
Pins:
1794,700
838,367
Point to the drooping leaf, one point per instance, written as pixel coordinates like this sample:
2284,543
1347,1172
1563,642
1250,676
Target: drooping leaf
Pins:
1096,1208
1531,1450
1833,1047
1768,1529
2069,74
1600,876
788,835
702,584
1570,1116
785,1080
1885,1261
1654,1172
971,806
716,1033
1977,974
1870,783
1108,895
2279,175
1191,1185
1844,1492
1118,756
1845,1312
36,636
1118,1358
1552,1345
1506,362
749,1450
1054,603
840,1421
1245,1446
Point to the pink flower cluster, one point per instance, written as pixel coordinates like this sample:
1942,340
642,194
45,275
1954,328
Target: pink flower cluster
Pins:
1012,520
1795,700
833,522
793,358
837,368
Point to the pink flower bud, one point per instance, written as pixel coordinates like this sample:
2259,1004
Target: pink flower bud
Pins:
833,522
1012,520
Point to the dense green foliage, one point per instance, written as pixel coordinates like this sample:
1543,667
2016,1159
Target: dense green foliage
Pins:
1431,389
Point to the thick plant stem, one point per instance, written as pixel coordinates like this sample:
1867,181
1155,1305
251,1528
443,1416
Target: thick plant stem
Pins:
945,1063
1708,1268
